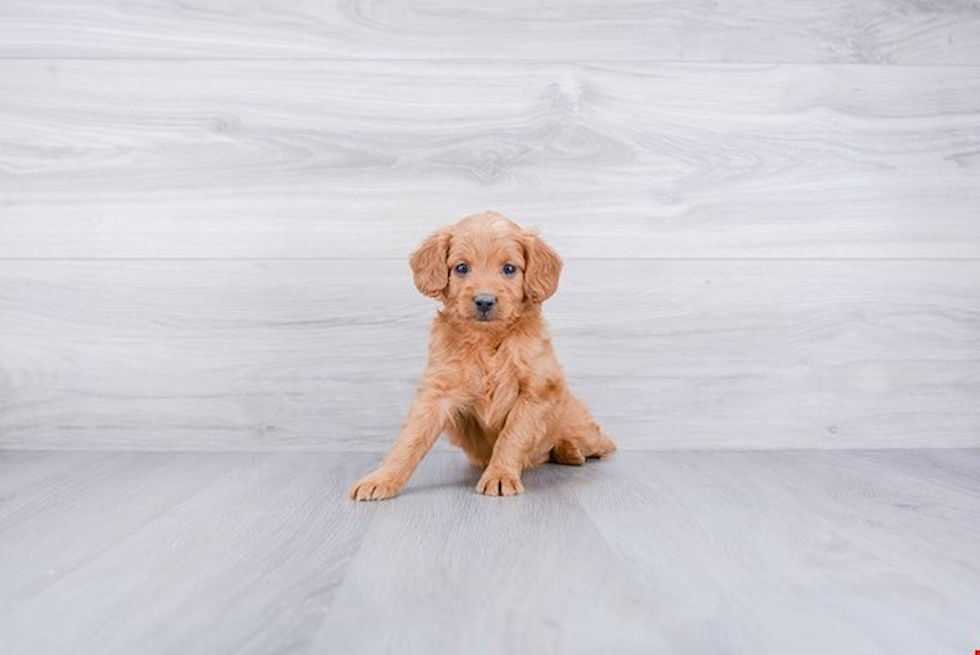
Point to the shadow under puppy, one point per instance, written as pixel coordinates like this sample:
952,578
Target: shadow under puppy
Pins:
492,382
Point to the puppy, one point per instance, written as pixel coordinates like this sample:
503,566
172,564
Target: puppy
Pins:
492,382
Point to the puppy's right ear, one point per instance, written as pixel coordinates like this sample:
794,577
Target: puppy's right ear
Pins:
430,265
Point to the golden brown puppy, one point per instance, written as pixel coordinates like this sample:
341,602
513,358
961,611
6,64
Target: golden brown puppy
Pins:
492,383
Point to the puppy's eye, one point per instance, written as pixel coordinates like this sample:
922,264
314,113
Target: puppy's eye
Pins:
509,270
461,269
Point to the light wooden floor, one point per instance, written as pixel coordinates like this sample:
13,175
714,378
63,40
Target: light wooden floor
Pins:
810,552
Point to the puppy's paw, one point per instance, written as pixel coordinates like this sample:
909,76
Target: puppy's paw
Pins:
567,452
498,482
377,486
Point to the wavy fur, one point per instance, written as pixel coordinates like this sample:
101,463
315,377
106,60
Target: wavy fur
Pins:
492,383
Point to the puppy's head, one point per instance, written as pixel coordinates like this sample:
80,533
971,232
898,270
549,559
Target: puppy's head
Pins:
486,269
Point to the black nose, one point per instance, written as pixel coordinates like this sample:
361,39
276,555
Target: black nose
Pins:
484,302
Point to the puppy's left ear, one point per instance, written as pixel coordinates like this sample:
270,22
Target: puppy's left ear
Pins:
430,266
542,269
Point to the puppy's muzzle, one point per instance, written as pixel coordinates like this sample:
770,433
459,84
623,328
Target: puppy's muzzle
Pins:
484,303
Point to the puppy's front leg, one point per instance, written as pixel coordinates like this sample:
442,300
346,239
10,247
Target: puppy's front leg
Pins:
426,421
502,476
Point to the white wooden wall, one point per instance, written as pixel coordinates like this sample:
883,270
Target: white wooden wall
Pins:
770,214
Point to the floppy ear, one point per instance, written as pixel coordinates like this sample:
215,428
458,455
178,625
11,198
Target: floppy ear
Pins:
429,264
542,269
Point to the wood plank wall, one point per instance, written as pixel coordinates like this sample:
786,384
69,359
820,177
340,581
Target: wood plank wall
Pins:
770,214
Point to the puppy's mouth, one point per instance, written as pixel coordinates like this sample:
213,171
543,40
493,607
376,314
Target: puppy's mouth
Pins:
484,317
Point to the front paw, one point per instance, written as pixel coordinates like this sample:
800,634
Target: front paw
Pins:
498,482
377,486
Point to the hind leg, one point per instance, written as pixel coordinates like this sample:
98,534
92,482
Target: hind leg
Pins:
578,436
567,452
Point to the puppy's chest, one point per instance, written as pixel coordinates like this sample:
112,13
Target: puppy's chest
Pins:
493,385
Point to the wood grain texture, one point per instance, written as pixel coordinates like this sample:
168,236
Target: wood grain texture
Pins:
326,354
233,553
788,546
205,210
453,573
141,159
763,553
874,31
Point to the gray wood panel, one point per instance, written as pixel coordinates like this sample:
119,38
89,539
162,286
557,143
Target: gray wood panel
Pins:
762,553
145,159
456,573
872,31
160,553
789,545
326,354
